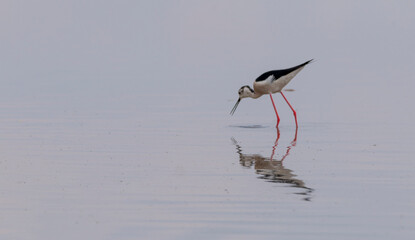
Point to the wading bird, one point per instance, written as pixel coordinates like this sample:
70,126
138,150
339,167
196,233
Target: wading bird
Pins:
268,83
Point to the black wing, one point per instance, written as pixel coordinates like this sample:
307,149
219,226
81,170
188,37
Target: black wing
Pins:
279,73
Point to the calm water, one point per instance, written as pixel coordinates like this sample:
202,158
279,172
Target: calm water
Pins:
200,174
121,129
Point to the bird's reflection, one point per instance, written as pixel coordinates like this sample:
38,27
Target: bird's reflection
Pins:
272,170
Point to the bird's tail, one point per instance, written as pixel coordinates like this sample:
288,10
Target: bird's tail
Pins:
309,61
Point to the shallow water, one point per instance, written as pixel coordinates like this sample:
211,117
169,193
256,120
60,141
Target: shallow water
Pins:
115,122
186,175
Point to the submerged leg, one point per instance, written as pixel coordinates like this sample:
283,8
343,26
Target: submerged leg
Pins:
295,114
276,113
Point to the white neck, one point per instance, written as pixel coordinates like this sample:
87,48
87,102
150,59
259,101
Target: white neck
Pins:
255,95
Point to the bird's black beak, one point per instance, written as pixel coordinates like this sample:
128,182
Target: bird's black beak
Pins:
234,107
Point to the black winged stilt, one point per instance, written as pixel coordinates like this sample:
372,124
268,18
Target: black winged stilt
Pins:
268,83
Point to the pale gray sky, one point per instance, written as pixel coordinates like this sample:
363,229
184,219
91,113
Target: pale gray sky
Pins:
136,46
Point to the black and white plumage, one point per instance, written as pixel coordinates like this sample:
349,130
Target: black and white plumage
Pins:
271,82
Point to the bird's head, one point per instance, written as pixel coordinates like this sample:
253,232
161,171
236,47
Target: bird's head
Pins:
244,92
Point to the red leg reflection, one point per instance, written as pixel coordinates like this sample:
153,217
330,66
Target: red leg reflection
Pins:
275,144
293,143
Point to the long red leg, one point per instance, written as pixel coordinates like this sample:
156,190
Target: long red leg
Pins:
276,113
294,141
295,114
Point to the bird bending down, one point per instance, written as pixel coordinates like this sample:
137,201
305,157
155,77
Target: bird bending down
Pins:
268,83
